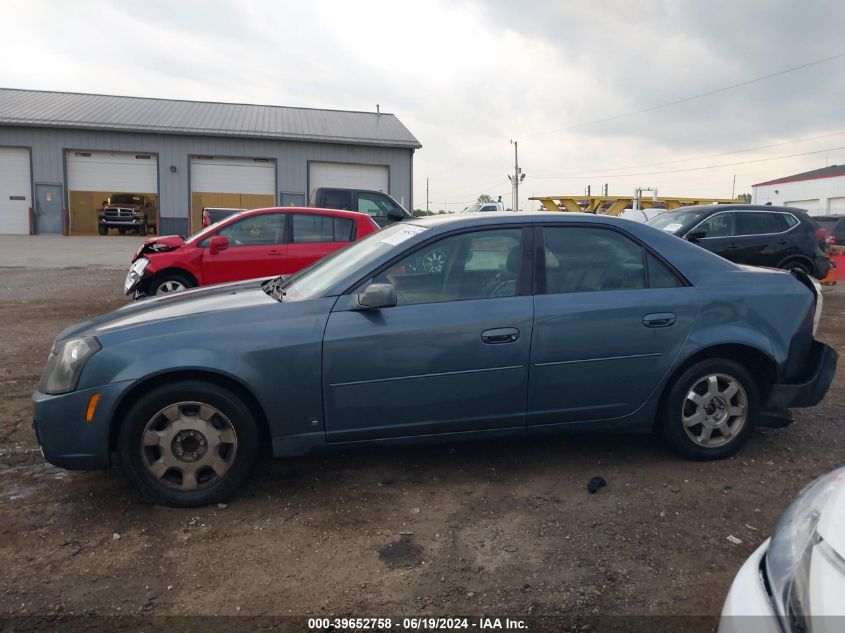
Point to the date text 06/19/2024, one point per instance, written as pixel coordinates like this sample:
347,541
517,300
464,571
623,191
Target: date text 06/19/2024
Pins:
417,624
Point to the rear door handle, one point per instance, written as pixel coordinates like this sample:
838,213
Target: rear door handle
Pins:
660,319
500,335
733,246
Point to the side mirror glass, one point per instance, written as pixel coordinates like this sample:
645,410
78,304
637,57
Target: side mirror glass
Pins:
377,296
218,243
696,235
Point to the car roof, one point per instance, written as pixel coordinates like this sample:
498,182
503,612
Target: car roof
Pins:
340,213
707,208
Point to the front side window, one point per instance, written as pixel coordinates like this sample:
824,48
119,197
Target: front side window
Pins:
374,205
310,228
581,259
255,230
719,225
477,265
758,223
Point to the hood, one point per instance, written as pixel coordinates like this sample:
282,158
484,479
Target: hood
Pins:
160,244
202,300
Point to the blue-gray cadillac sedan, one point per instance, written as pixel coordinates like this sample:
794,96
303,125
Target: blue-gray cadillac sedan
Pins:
450,328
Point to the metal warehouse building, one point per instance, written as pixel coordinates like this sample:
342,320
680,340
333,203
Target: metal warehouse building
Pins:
820,191
63,154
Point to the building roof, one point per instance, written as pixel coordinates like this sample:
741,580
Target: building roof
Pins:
825,172
168,116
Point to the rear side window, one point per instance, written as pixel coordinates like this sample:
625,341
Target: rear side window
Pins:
490,207
312,228
788,220
758,223
337,199
660,275
581,259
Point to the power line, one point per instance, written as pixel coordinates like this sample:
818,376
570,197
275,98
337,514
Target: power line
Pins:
688,169
694,158
701,95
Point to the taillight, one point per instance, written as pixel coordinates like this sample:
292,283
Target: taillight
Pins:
824,237
206,219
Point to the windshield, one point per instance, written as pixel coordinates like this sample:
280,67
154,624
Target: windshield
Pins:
125,198
315,280
674,221
472,208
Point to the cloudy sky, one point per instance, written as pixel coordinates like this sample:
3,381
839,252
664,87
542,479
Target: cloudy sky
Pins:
466,77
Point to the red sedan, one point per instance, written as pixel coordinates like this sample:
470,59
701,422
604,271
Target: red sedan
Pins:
255,243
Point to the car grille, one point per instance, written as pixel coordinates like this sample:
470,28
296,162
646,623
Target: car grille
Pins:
119,214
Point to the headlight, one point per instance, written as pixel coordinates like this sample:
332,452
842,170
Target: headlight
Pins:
65,364
817,314
788,557
136,272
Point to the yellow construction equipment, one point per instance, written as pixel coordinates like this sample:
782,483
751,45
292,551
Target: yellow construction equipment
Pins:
614,205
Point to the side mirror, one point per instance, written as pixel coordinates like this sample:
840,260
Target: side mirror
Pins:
396,214
696,235
377,296
218,243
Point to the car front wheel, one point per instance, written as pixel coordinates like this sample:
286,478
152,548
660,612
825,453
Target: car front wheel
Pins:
168,283
710,410
188,443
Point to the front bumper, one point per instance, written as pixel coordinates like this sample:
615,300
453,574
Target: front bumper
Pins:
65,437
813,383
121,222
748,608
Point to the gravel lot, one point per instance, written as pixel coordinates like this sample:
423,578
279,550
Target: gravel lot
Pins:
481,528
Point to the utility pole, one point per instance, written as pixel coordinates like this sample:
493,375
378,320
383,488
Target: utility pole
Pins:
426,195
733,187
517,177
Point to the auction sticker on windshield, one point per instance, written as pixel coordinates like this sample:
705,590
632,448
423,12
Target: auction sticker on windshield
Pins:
671,228
405,233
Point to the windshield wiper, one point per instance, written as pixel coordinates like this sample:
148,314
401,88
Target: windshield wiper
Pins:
273,287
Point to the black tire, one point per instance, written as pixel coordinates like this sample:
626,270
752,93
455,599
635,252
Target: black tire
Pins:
800,265
168,489
676,408
103,230
166,283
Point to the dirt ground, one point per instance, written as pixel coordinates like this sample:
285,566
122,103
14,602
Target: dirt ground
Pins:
479,528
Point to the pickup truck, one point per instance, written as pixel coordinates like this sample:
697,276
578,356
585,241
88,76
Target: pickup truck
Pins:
126,212
383,209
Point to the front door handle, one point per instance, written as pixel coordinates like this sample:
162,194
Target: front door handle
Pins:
274,253
500,335
733,246
660,319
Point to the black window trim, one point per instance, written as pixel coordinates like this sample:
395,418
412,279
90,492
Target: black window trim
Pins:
539,286
526,272
721,237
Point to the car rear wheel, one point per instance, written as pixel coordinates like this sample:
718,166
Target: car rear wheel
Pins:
168,283
188,443
710,410
800,265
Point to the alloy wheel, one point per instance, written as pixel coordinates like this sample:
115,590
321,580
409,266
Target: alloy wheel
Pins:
715,410
188,446
169,287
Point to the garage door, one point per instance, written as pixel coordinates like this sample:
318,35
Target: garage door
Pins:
811,206
94,177
347,175
836,205
15,190
234,183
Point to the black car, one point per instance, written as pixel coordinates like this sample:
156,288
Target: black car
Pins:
777,237
383,209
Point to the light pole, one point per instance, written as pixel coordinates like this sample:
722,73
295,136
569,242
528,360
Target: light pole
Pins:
517,177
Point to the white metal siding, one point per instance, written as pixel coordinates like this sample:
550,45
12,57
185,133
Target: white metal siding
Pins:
112,171
811,206
836,205
15,182
347,175
233,175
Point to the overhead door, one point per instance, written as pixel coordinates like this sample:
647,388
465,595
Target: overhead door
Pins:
15,190
811,206
233,183
347,176
836,205
95,177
